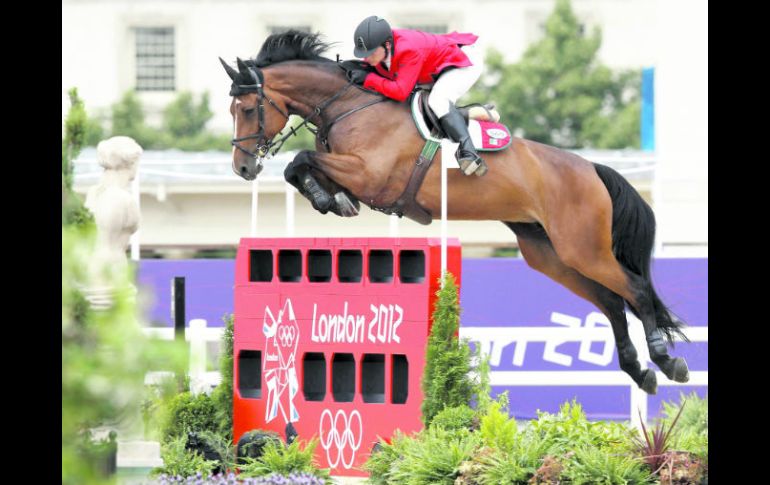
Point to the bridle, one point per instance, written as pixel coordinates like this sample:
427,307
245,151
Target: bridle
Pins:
264,146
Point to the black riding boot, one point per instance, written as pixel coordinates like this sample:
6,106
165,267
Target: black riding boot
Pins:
454,125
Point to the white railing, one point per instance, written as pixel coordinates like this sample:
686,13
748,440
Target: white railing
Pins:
159,168
198,335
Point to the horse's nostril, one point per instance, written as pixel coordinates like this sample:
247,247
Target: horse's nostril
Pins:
243,170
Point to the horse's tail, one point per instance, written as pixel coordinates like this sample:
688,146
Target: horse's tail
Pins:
633,238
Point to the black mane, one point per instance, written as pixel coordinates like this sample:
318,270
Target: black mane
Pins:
291,45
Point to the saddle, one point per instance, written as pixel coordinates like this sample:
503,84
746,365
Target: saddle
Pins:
486,133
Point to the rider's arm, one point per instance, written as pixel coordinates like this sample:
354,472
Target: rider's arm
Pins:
406,79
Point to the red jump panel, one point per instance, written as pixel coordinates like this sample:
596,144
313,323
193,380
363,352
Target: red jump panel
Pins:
330,335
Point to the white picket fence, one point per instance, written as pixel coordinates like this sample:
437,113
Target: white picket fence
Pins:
198,334
492,340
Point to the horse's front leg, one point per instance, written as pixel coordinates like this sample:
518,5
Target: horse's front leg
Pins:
310,178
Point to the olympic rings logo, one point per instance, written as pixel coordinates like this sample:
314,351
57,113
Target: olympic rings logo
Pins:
286,335
337,441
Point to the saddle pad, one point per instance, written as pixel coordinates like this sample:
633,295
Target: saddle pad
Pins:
487,136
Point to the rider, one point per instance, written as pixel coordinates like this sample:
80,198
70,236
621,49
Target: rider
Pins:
403,58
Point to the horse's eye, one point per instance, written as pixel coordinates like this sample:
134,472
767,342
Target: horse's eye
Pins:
248,111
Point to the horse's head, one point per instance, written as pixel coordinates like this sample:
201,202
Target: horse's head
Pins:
255,123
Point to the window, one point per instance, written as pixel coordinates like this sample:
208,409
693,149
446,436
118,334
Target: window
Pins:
250,373
314,376
343,377
373,378
260,265
400,379
290,265
319,265
380,266
349,265
155,59
411,266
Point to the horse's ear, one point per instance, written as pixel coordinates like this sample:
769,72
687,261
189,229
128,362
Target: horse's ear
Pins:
230,71
246,74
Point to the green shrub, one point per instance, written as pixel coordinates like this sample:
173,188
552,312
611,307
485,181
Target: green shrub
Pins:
187,413
595,466
433,457
105,356
692,429
381,461
277,458
498,430
499,467
179,461
455,418
569,429
222,396
76,128
155,406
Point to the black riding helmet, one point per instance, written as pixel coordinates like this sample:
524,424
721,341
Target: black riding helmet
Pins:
370,34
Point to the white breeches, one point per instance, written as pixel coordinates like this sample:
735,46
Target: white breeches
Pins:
456,82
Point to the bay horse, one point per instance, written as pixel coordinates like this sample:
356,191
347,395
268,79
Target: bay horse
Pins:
581,224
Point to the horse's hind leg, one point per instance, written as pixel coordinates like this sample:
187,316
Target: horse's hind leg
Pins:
584,242
540,256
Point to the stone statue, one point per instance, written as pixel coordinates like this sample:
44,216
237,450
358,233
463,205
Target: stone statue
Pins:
116,214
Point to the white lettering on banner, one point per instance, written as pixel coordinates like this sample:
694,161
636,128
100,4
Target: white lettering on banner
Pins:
345,328
586,355
549,352
596,328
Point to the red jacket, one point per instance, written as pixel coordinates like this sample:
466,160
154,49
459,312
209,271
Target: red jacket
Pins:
417,58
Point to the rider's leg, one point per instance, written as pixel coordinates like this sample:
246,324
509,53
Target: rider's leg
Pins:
447,89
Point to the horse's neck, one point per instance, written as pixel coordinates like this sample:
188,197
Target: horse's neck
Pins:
308,87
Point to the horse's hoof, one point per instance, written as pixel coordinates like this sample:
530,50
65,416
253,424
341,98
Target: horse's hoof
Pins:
680,371
345,205
650,382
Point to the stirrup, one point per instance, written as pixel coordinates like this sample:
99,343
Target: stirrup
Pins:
475,166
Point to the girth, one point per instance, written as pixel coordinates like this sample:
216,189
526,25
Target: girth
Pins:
406,204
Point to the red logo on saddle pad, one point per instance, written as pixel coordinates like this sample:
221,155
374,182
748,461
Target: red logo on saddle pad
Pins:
489,136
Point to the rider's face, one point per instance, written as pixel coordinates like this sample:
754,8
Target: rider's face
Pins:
376,57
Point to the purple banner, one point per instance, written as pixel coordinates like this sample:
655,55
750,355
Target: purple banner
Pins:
208,288
498,296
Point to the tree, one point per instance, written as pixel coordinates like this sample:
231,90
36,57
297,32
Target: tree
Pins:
74,211
446,381
559,93
184,118
104,355
128,120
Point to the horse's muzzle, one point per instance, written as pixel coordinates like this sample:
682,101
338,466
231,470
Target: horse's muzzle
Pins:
249,172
